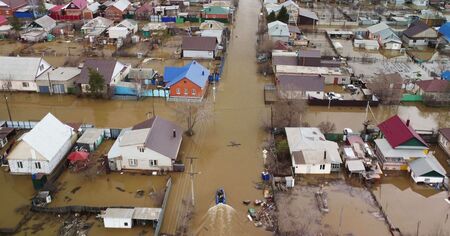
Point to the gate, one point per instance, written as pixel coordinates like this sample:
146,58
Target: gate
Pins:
58,88
44,89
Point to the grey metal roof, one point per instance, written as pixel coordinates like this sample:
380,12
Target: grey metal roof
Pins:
90,136
60,74
425,165
301,83
378,27
46,22
144,213
160,138
20,68
119,213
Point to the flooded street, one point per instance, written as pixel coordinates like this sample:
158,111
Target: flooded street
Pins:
239,115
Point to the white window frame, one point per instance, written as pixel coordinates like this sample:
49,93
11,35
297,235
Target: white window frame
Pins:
25,84
37,165
178,91
132,162
194,92
20,164
153,162
141,149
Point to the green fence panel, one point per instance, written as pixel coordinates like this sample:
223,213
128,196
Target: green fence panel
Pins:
411,98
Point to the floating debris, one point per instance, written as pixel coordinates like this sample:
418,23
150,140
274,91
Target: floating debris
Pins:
120,189
74,190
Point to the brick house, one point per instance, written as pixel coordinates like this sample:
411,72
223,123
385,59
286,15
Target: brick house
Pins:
8,7
116,10
189,81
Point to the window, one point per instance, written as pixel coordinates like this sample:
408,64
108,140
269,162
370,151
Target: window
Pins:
41,67
194,92
19,164
322,167
132,162
414,41
141,149
37,165
186,91
178,91
153,162
25,84
125,223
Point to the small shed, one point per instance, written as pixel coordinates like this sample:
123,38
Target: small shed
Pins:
355,166
427,170
118,218
143,215
91,139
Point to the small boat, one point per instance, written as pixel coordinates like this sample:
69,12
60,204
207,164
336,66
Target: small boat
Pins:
220,196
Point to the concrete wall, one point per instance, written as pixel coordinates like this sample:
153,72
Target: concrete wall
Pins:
198,54
118,223
312,169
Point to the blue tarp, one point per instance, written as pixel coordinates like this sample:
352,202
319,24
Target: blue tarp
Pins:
446,75
168,19
445,31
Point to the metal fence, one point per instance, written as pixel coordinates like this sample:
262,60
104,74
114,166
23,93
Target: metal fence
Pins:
163,207
21,124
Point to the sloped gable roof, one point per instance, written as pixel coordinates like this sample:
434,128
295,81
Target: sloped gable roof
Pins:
278,28
48,136
20,68
416,28
13,3
396,132
378,27
435,85
104,67
445,132
425,165
193,71
160,138
199,43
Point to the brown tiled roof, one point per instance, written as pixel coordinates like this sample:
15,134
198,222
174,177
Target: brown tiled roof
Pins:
285,60
301,82
437,85
104,67
415,28
15,3
199,43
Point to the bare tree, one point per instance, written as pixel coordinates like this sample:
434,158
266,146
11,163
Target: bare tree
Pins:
288,112
387,87
193,113
326,127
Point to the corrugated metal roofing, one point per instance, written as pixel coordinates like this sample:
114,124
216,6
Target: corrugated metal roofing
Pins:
445,31
435,85
396,132
193,71
20,68
425,165
48,136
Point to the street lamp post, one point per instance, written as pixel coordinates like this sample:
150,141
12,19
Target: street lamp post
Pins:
7,107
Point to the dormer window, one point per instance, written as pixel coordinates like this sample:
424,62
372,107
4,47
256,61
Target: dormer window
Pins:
141,149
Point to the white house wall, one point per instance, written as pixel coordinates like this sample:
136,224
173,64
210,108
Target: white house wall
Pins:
118,32
143,159
281,38
312,169
117,223
393,46
421,179
18,85
198,54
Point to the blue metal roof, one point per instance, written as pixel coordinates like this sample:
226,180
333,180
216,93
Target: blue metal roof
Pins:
445,31
446,75
193,71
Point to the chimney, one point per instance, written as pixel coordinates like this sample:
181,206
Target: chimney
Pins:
407,123
324,154
174,133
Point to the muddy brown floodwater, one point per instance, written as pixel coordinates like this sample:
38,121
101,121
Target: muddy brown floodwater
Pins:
239,116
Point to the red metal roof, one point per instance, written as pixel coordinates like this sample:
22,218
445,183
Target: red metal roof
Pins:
396,132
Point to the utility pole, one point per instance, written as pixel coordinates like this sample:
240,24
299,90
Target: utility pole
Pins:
192,173
7,107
